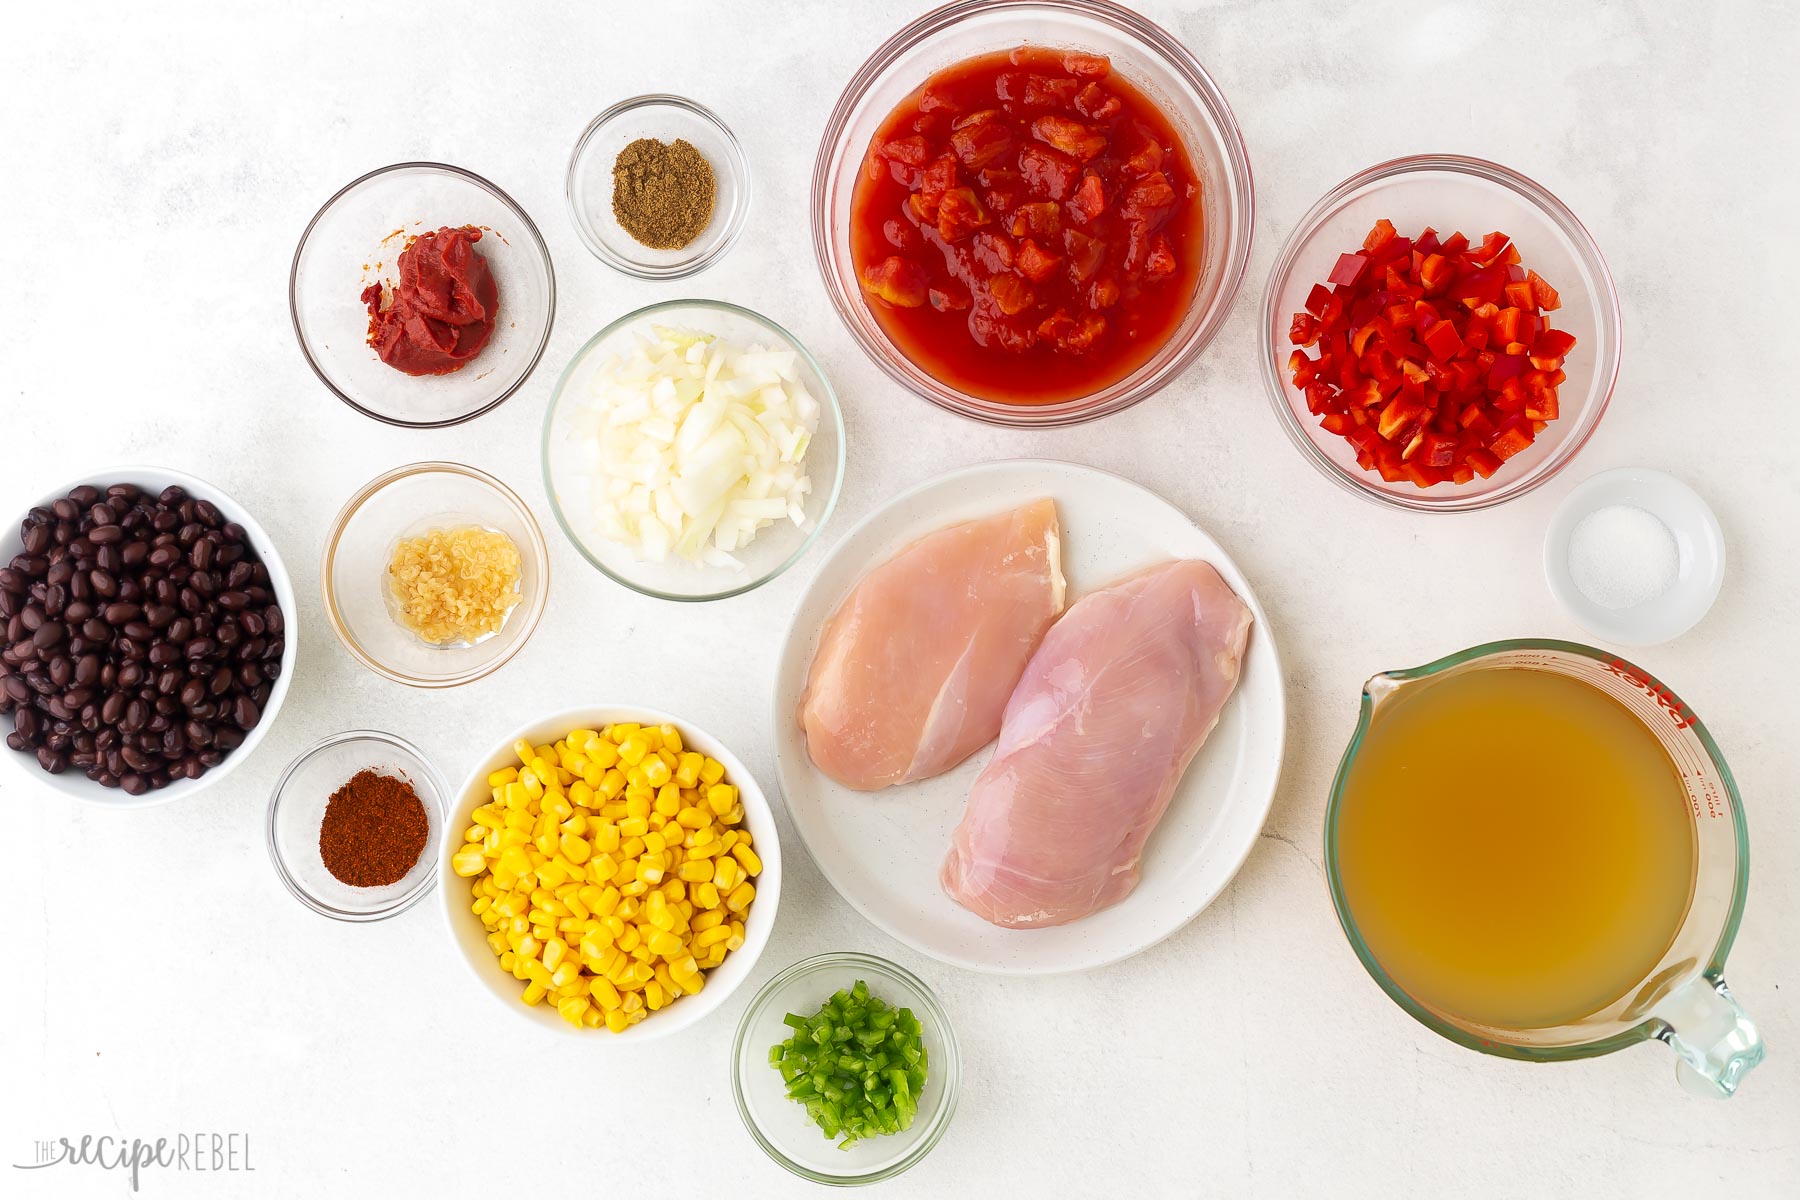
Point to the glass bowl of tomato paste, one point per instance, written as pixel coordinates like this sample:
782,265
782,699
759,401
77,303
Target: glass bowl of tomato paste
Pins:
1465,239
1032,212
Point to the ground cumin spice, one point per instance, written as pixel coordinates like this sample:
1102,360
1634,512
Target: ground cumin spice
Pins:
374,830
662,192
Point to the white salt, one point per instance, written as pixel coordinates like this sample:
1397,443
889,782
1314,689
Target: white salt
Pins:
1621,556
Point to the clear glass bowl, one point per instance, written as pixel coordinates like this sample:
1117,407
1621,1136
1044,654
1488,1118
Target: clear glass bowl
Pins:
1450,193
777,547
1152,59
354,241
782,1128
297,808
406,502
590,184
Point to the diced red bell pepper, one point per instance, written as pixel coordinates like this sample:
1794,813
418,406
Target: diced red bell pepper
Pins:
1518,295
1383,233
1511,439
1348,270
1492,249
1435,273
1317,298
1443,341
1547,297
1303,330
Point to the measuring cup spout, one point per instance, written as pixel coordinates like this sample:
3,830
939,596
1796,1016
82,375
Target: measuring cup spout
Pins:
1714,1040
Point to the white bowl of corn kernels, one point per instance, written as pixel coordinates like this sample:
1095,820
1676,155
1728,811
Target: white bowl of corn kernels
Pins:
610,872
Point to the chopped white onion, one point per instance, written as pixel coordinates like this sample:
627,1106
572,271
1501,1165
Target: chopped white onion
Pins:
698,445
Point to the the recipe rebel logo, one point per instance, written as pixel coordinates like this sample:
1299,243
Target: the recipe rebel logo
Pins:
193,1152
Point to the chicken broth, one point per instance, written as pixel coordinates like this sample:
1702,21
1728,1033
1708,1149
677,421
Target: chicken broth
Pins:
1514,847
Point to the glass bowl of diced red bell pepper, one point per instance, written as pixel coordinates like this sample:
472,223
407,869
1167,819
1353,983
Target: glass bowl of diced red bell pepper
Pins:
1033,322
1440,334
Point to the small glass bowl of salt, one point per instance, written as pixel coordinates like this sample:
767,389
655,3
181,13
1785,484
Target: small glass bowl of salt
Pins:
1635,556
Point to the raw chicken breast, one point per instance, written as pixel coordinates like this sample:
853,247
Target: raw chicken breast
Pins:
1108,715
914,669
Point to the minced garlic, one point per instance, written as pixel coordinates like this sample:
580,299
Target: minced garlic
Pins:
454,585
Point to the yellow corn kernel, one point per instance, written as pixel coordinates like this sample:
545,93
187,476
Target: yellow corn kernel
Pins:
740,899
713,936
687,769
566,974
656,771
638,802
696,871
469,861
747,858
654,843
691,984
503,776
616,1020
708,835
706,895
534,993
604,993
572,1009
726,873
720,797
555,949
736,940
574,848
632,750
634,827
612,784
654,996
665,944
711,771
606,837
628,940
602,753
702,921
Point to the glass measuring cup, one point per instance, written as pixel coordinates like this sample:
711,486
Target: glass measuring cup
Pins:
1683,1001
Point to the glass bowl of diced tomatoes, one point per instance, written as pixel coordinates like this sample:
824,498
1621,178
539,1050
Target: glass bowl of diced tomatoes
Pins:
1032,212
1440,334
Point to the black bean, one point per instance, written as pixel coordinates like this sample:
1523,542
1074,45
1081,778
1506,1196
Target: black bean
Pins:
37,539
49,634
106,535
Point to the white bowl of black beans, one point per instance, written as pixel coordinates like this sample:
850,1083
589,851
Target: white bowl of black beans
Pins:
146,637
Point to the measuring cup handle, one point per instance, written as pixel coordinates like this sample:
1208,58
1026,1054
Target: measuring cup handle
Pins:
1714,1041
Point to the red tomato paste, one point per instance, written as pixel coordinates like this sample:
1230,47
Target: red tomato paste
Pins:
1027,227
442,312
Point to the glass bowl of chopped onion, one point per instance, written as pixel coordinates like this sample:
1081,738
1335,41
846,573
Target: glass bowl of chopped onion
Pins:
434,574
693,450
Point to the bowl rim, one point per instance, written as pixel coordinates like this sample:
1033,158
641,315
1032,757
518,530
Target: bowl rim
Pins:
693,1009
739,167
327,573
81,788
1607,316
405,900
537,240
1150,377
874,965
828,403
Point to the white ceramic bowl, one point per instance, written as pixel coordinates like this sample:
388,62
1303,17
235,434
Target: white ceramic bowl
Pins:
470,938
155,479
1699,545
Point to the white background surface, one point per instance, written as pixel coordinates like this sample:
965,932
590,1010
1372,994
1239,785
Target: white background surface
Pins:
160,164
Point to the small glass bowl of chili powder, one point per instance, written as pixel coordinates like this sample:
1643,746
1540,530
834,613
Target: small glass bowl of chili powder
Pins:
355,824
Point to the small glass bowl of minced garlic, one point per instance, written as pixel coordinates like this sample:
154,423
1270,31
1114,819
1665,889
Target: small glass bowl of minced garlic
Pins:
434,574
658,187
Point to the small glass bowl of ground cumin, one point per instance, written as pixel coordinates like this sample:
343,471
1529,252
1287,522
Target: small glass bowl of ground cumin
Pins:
658,187
355,824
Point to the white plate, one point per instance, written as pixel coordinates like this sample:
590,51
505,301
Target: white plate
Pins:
883,850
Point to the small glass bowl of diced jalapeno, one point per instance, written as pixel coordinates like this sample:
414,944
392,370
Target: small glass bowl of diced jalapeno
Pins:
845,1069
